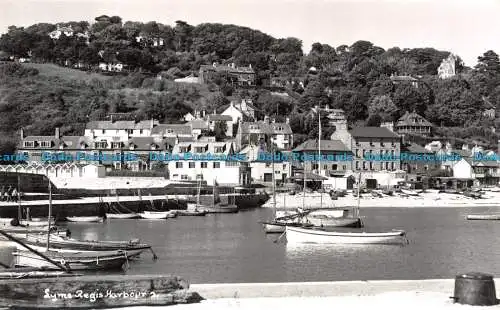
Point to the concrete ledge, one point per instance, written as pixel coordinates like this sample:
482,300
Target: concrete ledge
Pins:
323,289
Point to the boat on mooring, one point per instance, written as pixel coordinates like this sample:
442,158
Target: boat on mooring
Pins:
85,219
483,217
296,235
155,215
122,216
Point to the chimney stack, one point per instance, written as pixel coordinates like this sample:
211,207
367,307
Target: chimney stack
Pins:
287,120
58,134
152,123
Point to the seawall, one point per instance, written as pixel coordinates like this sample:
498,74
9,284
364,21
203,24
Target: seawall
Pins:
324,289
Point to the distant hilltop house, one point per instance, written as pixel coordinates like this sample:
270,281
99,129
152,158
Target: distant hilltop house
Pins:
489,109
410,123
283,82
111,67
237,76
188,79
447,67
399,79
244,111
56,34
149,41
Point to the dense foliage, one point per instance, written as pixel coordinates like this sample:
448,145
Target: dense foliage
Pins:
355,78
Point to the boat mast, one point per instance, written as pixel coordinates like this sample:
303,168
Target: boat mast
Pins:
198,195
319,158
273,178
50,214
359,191
19,210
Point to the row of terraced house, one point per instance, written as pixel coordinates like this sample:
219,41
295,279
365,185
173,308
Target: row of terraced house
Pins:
240,158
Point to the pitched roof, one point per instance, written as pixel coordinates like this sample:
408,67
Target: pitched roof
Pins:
216,117
198,124
148,124
326,145
265,128
372,132
178,129
415,148
412,119
226,68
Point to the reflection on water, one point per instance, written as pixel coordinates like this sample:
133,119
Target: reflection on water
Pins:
234,248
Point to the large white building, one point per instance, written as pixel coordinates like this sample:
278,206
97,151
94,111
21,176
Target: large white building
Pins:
208,161
118,131
262,169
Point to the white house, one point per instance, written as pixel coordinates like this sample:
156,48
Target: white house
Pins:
209,161
188,117
262,169
243,110
118,131
56,34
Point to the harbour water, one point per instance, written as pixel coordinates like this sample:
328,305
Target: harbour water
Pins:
231,248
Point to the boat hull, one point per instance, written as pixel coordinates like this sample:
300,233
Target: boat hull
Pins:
333,222
483,217
122,215
74,262
273,228
151,215
85,219
191,213
296,235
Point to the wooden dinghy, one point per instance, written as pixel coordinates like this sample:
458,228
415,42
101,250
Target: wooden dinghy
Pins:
122,215
85,219
154,215
38,222
307,235
191,212
74,261
99,291
483,217
132,248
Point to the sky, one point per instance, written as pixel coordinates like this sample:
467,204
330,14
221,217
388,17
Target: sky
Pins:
467,28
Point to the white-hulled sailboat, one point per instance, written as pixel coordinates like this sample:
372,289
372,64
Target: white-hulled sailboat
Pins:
298,235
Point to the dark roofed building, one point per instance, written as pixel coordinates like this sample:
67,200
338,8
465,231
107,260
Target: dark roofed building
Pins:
256,133
336,158
237,76
414,163
413,123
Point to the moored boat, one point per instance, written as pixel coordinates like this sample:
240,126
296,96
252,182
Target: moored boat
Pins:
154,215
122,215
85,219
220,208
308,235
191,212
75,261
37,222
483,217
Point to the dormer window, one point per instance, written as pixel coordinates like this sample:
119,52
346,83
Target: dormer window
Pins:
254,127
83,145
116,145
153,146
132,146
219,149
183,149
199,149
45,144
29,143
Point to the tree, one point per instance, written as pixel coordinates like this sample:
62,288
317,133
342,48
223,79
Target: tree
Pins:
314,95
220,129
383,107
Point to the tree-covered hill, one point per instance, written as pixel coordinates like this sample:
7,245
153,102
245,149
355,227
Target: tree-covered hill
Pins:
353,77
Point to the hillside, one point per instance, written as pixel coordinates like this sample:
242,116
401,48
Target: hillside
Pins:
356,78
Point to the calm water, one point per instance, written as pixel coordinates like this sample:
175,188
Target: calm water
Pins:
233,247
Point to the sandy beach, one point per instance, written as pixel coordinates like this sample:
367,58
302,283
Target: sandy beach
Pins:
432,198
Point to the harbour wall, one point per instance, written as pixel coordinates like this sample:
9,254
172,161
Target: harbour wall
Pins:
323,289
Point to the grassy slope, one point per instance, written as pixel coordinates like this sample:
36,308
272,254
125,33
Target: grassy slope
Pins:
52,70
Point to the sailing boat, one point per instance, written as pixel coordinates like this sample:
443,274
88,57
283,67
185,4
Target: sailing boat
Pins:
79,261
297,235
194,209
217,206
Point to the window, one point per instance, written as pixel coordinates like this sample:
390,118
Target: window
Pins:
357,143
386,166
101,145
325,167
357,152
199,149
103,131
45,144
219,149
334,167
192,164
184,177
382,143
364,165
392,166
184,149
371,143
357,165
130,131
216,165
344,167
268,164
204,164
29,143
140,131
284,166
199,177
116,145
178,165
